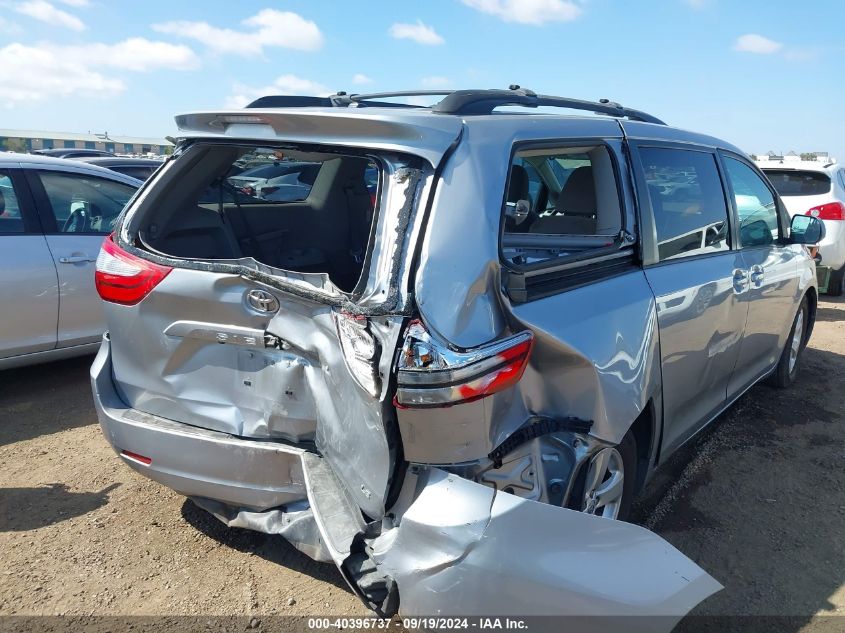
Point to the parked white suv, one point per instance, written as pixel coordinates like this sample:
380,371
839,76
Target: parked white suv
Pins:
817,189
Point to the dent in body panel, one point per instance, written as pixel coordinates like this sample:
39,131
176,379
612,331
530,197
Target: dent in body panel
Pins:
595,357
496,554
595,346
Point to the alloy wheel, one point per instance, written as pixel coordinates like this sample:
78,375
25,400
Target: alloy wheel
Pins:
605,484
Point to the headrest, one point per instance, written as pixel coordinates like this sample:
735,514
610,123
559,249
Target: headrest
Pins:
578,196
518,185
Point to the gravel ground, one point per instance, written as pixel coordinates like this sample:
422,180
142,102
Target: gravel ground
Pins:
758,500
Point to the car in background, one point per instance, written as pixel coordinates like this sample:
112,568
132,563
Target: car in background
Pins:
140,168
294,185
816,189
54,214
71,152
252,178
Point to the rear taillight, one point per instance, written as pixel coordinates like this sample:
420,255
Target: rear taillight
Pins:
829,211
122,277
431,375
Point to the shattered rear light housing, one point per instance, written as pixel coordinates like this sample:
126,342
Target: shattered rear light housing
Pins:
432,375
123,278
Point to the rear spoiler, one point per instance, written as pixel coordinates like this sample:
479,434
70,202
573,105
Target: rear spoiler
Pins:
420,133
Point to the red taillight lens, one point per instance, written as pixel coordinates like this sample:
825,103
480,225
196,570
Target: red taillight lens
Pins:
829,211
122,277
431,375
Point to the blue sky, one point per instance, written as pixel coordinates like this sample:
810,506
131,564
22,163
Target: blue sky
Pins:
763,75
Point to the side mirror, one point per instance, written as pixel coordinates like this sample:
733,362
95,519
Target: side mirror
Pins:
805,229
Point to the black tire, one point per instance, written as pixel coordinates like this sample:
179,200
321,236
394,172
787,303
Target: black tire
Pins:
836,284
783,375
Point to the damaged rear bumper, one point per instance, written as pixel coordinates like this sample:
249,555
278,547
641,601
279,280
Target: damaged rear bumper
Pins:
450,547
196,462
462,549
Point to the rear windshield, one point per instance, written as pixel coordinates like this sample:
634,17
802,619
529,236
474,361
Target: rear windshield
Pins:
296,210
795,182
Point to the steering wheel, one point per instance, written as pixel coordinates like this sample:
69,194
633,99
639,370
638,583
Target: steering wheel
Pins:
77,221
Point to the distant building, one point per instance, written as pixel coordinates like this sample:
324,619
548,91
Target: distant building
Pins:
34,139
795,157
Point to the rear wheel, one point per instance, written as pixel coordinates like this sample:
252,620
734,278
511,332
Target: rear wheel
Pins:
787,367
609,484
836,284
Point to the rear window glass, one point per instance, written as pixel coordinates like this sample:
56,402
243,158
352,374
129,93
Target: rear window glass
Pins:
291,209
794,182
560,202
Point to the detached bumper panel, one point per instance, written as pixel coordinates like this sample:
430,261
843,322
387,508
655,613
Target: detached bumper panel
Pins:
461,549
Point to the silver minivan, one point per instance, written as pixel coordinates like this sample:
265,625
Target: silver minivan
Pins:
452,360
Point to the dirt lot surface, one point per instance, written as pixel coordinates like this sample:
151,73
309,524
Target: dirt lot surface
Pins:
758,500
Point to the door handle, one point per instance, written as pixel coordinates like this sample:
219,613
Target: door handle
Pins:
740,280
757,275
75,259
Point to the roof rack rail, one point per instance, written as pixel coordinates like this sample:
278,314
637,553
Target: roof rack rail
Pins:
343,100
485,101
460,102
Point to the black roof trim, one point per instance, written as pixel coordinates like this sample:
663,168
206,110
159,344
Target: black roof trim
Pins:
458,102
291,101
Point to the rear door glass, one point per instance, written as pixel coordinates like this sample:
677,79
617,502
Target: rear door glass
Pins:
795,182
84,204
688,202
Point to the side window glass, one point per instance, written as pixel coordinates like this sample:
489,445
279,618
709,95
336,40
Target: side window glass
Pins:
10,213
690,214
755,205
559,202
842,178
141,173
84,204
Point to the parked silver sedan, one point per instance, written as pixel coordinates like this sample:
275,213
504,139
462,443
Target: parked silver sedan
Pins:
54,214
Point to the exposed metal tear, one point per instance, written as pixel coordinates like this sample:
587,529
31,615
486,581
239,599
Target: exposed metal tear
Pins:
294,522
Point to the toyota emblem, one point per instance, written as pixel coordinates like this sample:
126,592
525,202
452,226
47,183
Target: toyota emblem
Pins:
262,301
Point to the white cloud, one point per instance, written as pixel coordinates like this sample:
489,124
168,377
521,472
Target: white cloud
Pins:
270,28
360,79
45,12
136,53
284,85
76,3
32,74
754,43
435,82
534,12
35,73
9,28
419,32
